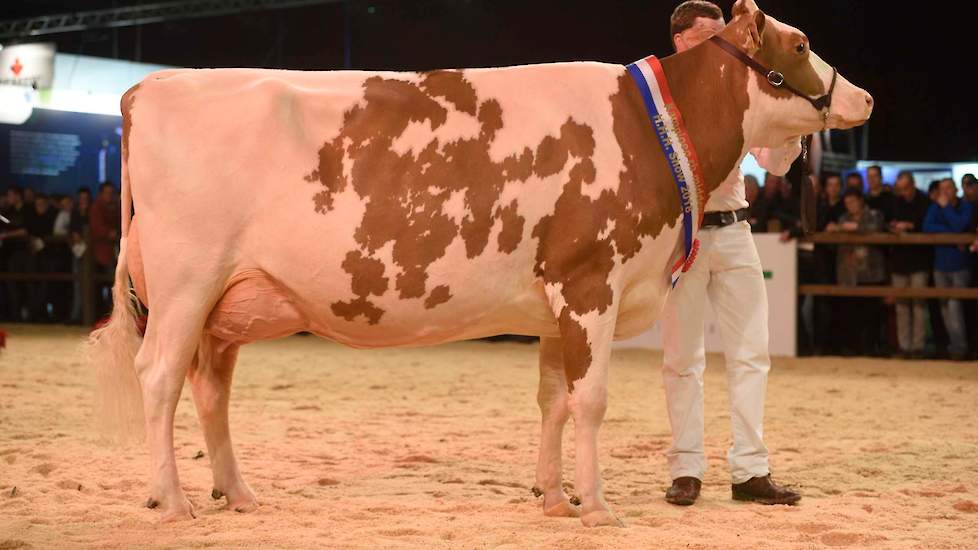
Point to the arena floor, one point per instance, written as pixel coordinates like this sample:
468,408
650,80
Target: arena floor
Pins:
436,448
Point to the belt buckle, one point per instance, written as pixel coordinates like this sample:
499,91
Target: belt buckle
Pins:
728,218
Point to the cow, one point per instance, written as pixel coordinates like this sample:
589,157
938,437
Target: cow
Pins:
408,209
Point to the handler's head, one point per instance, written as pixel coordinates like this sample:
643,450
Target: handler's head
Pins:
693,22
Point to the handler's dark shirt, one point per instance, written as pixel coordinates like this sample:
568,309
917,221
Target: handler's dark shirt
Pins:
908,259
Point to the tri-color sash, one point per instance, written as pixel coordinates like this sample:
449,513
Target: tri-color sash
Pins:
676,145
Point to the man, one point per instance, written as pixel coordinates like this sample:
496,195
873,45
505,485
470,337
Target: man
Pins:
40,226
952,264
910,266
854,181
830,208
970,185
17,253
757,215
879,196
104,225
729,270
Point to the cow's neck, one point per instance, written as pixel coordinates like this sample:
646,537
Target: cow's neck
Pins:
711,93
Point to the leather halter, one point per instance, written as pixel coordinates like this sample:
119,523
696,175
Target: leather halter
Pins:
776,79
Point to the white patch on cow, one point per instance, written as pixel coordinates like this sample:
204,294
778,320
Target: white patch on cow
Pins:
414,139
455,207
609,226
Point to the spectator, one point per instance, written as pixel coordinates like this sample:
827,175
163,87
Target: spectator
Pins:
770,200
910,266
970,185
830,208
879,196
934,190
17,255
29,196
854,181
60,247
757,214
859,265
40,226
952,264
104,224
79,231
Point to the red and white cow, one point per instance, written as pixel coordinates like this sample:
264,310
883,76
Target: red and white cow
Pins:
407,209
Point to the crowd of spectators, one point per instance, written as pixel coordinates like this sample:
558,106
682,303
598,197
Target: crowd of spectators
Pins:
52,234
912,328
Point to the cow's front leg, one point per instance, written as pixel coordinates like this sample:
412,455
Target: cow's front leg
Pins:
586,344
554,412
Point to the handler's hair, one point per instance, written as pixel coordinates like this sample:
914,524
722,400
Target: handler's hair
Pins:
853,192
686,13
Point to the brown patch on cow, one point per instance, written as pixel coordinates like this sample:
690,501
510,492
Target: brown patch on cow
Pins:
408,193
125,105
575,346
452,86
512,231
367,273
570,251
367,276
777,51
354,308
714,121
439,295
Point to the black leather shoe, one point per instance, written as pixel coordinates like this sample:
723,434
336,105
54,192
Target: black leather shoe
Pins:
764,491
684,491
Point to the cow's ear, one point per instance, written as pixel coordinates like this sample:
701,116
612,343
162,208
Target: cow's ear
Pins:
744,7
755,32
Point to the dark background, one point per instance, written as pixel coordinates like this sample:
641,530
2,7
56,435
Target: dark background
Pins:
918,60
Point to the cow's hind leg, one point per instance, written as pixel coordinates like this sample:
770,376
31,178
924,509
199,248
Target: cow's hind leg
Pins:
552,398
210,381
164,358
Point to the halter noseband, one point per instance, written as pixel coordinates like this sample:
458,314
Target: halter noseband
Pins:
776,79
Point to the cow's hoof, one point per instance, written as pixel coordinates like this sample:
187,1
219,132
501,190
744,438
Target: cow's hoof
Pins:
563,509
178,513
241,499
601,518
244,506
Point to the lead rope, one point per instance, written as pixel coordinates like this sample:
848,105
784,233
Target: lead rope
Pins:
809,202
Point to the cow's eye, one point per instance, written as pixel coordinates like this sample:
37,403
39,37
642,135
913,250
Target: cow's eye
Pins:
801,48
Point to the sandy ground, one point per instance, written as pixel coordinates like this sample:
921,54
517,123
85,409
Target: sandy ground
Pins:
436,448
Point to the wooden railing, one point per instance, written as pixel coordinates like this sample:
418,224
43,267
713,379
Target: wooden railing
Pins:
87,277
899,239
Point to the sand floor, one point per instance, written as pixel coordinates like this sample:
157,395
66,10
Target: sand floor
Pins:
436,448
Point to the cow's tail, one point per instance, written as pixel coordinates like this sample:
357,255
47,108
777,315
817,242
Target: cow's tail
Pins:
111,349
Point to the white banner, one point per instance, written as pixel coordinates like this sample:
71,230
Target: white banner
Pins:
779,260
28,65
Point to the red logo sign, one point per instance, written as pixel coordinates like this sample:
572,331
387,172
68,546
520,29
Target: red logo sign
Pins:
16,67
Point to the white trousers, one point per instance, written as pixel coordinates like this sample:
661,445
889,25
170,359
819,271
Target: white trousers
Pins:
728,271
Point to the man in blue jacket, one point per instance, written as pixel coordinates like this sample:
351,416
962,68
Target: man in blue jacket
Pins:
952,264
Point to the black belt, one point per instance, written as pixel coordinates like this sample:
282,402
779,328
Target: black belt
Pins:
723,219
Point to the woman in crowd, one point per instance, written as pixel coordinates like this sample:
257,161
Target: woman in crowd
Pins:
859,265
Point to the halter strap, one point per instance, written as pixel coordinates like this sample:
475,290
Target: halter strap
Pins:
775,78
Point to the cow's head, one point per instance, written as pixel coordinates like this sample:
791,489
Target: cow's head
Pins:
776,115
